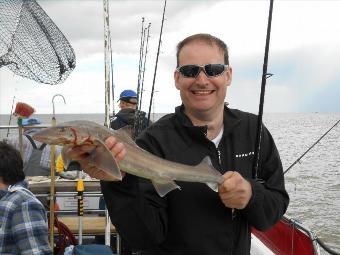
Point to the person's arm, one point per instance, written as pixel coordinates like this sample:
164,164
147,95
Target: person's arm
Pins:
29,228
270,200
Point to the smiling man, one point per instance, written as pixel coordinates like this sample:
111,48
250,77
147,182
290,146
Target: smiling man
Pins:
197,220
202,77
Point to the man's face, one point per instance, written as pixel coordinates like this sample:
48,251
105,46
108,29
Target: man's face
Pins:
202,94
125,105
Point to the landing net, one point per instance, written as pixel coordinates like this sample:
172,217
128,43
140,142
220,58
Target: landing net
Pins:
31,45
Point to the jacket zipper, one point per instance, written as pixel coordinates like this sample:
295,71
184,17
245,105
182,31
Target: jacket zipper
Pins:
233,214
219,157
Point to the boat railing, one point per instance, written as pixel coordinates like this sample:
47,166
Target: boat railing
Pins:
8,130
296,224
317,242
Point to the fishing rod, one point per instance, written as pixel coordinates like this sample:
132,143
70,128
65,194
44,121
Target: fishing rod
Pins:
139,115
141,49
146,52
142,67
265,75
298,160
154,75
10,117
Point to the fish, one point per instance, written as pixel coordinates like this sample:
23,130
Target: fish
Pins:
137,161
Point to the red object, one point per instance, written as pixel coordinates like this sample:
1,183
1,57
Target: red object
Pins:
285,238
65,236
23,110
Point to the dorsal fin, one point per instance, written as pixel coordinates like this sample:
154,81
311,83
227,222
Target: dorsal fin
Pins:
207,165
125,134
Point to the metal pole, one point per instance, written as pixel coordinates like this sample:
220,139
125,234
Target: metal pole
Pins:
52,167
52,191
107,62
108,229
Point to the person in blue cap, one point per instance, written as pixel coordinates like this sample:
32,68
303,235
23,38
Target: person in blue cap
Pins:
126,115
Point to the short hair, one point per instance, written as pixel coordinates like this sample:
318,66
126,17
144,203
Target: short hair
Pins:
11,165
207,38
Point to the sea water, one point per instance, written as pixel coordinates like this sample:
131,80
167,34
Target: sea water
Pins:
313,183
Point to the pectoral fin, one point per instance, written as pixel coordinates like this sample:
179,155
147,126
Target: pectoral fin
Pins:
164,186
213,186
102,158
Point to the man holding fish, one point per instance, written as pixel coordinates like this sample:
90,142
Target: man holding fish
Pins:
210,144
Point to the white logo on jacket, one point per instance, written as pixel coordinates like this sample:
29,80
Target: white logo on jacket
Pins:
244,154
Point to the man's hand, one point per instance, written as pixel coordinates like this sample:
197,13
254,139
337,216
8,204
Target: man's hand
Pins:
235,191
80,153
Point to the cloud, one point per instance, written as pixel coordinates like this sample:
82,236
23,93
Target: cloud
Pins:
304,53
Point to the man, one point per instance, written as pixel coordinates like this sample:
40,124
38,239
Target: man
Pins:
36,156
23,222
195,219
126,115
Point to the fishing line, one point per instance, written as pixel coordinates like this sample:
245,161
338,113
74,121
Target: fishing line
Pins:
265,75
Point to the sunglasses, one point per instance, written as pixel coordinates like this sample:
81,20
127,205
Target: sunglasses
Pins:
210,70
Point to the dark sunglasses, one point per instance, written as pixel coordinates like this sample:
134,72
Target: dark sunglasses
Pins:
210,70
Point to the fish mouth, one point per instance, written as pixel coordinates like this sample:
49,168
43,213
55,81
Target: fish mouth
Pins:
50,140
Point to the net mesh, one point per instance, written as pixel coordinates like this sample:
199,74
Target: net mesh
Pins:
31,45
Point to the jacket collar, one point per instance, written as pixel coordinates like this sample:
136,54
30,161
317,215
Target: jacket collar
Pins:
11,188
230,121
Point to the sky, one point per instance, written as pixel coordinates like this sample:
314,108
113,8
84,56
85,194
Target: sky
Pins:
304,54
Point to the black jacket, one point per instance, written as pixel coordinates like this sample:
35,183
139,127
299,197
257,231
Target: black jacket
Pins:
127,117
193,220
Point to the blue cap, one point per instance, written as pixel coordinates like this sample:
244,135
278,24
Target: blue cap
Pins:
127,95
30,121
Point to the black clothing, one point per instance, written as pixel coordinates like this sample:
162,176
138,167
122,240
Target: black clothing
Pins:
193,220
127,117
